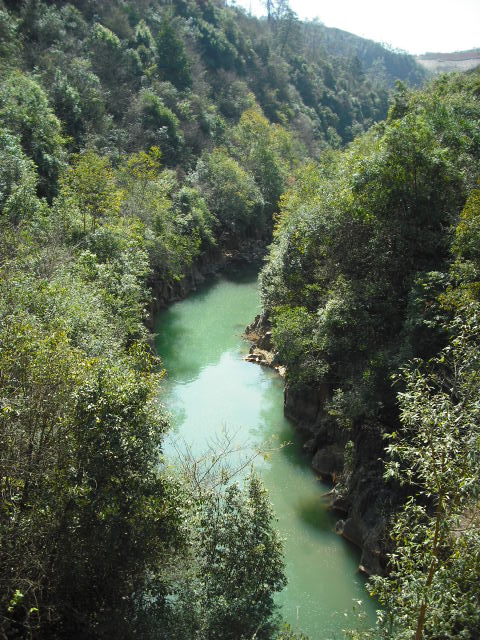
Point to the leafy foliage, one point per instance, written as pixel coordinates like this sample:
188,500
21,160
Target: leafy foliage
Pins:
234,566
18,181
432,588
24,110
356,237
231,192
91,184
92,525
172,62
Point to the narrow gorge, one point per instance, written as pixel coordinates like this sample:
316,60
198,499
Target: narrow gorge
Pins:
209,388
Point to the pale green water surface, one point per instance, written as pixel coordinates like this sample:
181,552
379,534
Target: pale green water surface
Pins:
208,387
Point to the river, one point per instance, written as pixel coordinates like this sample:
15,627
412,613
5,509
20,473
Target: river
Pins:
209,387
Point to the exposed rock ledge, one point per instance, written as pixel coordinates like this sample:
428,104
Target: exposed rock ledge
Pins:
362,499
260,334
359,496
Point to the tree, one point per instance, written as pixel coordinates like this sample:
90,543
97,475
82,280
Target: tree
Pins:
24,109
269,6
91,183
153,124
432,589
266,150
234,567
241,563
467,233
18,181
118,67
145,45
68,106
87,518
464,274
9,46
230,191
288,29
78,97
175,225
172,61
35,442
105,52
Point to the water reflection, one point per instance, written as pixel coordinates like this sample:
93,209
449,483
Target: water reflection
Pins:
194,333
315,514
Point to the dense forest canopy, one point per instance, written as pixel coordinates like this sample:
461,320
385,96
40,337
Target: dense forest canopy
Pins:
140,141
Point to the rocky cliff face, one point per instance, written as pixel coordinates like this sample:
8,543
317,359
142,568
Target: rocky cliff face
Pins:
359,495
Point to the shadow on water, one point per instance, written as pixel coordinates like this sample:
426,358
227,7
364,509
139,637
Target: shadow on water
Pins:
293,451
314,513
243,274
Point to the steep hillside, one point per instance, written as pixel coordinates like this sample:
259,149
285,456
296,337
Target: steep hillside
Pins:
205,63
379,62
371,302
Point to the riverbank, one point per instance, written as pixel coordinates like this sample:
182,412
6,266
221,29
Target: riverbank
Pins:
358,495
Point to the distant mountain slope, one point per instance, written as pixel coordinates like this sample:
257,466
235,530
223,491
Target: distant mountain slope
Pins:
182,72
456,61
380,63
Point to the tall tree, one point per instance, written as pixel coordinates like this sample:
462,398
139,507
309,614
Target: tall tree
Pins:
432,589
172,61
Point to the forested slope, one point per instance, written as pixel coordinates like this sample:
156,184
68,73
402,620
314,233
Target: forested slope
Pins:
382,64
110,180
99,63
372,290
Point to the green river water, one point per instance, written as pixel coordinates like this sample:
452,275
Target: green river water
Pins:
210,387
